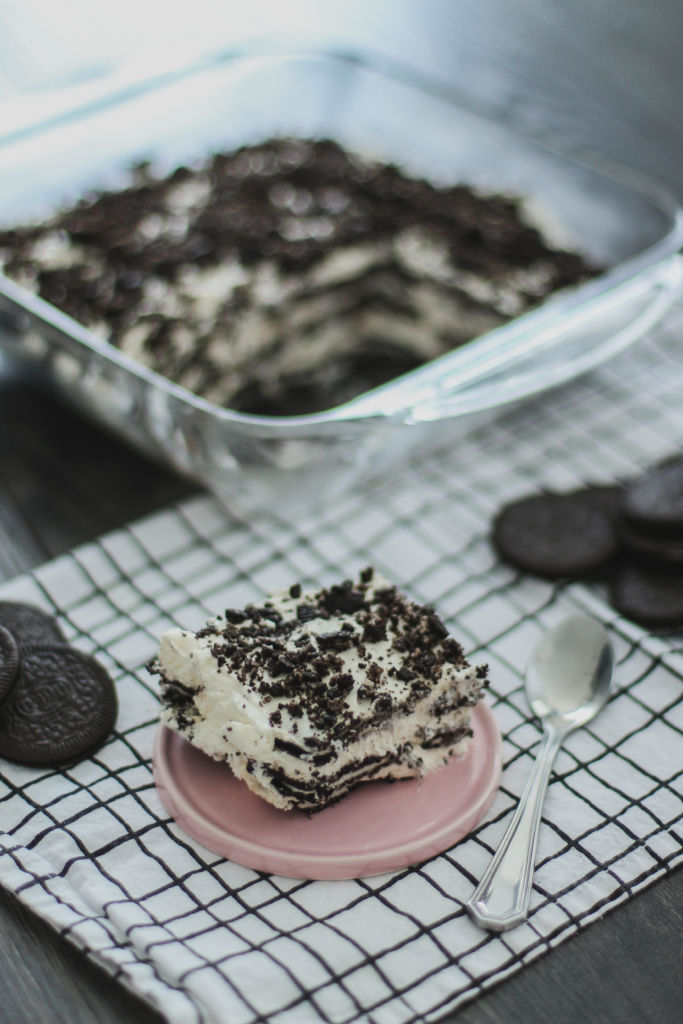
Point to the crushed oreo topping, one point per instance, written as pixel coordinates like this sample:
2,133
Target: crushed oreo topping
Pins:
283,658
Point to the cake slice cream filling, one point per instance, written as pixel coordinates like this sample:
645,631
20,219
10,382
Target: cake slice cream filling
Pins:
307,695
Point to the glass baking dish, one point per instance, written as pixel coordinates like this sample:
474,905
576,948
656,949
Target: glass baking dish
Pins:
632,229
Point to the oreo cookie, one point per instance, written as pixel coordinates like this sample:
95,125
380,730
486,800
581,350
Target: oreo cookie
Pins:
630,536
9,663
558,536
649,548
649,595
653,505
29,624
63,706
606,497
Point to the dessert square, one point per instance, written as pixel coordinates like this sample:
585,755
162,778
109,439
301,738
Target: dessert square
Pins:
306,696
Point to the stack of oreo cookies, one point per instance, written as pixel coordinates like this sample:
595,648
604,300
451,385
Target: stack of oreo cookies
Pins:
57,704
630,536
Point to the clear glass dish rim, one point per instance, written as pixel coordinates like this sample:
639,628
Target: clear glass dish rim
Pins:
369,405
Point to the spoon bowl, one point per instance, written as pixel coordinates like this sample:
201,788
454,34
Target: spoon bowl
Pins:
568,679
569,672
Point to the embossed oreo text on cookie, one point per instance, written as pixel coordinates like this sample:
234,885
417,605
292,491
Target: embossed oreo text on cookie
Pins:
62,707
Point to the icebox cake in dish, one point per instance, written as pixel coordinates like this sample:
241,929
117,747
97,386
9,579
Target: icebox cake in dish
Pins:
286,277
307,695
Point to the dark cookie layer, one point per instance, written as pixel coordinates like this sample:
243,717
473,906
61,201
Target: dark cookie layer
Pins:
62,706
651,549
557,535
9,663
28,624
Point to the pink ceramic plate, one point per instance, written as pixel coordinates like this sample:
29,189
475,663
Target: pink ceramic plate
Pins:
378,827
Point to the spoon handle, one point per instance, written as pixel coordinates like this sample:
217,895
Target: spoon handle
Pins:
501,899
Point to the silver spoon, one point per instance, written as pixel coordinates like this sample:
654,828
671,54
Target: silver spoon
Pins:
568,679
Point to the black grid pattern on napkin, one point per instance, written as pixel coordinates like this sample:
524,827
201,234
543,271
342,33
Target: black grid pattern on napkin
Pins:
92,850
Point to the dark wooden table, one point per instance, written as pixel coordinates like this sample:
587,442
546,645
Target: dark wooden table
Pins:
605,76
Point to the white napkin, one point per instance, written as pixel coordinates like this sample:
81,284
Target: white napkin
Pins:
92,850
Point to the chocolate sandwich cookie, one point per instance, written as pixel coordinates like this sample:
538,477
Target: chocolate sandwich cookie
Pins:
29,624
62,707
605,497
649,595
630,535
649,548
653,505
559,535
9,663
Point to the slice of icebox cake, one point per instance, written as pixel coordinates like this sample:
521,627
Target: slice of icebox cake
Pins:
306,696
